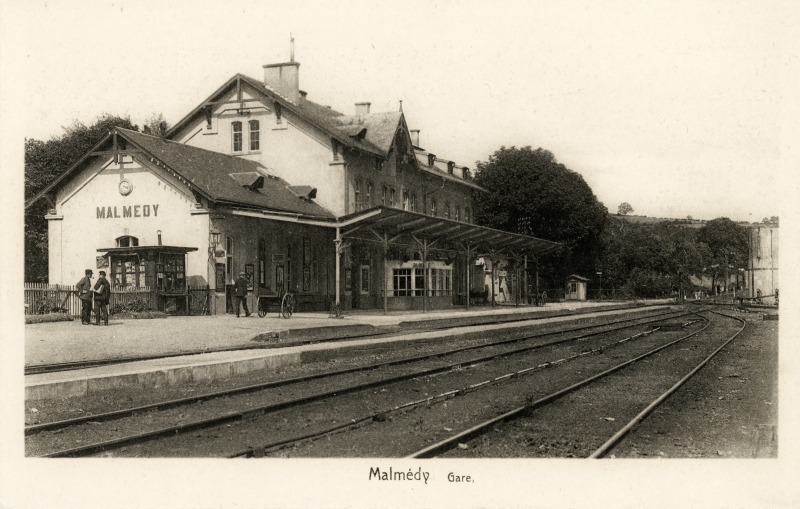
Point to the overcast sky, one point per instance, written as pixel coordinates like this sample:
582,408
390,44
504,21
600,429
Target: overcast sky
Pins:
672,108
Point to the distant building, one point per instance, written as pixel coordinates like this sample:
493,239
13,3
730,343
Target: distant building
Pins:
762,264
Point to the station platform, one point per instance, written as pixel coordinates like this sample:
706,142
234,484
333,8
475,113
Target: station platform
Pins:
207,348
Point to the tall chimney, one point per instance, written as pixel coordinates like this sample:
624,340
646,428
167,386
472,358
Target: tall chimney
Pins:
414,137
362,109
284,79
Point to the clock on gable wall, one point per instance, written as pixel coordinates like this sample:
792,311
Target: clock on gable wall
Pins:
125,187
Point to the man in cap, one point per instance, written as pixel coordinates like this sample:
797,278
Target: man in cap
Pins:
84,289
102,291
240,288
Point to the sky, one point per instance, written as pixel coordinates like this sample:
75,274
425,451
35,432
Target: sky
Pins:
674,107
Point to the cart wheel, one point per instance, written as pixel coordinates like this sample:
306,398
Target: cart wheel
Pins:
544,298
287,305
262,308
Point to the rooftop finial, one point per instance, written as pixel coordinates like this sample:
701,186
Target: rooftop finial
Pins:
401,105
291,47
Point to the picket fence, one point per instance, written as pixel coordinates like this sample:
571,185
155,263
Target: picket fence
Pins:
43,297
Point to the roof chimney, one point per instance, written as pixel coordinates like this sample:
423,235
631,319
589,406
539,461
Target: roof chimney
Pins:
414,137
362,109
284,79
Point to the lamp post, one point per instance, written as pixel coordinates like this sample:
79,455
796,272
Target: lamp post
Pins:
159,237
600,295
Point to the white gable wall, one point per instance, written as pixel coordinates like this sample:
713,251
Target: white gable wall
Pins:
293,149
92,214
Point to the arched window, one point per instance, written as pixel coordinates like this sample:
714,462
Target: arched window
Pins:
458,213
413,203
405,200
255,142
236,133
127,241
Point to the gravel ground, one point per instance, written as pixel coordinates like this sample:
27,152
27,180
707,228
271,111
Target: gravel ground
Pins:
727,410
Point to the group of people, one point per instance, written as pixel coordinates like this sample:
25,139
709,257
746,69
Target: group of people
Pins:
100,293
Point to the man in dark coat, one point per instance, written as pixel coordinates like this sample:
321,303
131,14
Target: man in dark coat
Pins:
84,289
240,288
102,294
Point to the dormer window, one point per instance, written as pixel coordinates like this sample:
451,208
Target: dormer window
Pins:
431,159
378,164
277,112
236,133
335,148
450,166
255,141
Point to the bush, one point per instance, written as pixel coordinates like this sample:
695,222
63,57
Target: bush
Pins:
53,317
48,305
131,306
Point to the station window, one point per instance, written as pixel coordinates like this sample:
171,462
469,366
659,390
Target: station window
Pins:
405,200
384,194
236,133
413,203
447,210
357,191
365,279
392,202
458,213
433,208
466,215
419,282
171,275
402,282
368,198
127,272
255,141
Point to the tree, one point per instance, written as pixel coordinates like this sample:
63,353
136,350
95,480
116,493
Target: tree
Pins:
770,221
44,162
624,209
156,125
529,192
727,247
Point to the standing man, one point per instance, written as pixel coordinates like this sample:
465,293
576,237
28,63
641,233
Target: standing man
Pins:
241,294
102,290
84,288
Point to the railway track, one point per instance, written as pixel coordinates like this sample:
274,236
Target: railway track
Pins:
459,440
36,369
228,417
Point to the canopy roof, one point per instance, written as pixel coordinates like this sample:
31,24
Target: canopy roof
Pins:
402,226
140,249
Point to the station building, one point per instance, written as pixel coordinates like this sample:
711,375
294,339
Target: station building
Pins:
302,198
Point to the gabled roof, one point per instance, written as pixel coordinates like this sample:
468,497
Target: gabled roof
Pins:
211,173
219,177
381,128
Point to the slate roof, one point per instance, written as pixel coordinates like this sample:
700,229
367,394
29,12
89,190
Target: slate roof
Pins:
211,174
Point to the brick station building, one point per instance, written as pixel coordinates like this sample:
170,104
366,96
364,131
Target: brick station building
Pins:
304,199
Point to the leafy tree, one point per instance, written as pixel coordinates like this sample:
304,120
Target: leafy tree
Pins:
156,125
532,193
624,208
770,221
44,162
727,247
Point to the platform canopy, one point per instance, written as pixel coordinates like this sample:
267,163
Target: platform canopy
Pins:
399,227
